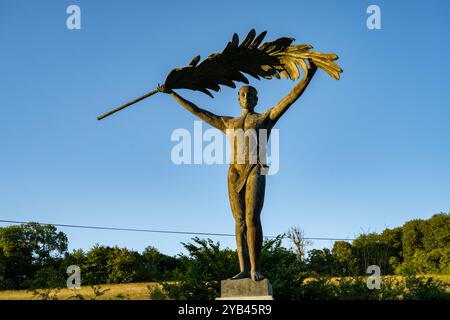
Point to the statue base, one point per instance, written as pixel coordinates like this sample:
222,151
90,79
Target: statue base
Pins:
245,289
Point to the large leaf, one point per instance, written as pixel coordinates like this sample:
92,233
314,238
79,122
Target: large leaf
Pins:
269,60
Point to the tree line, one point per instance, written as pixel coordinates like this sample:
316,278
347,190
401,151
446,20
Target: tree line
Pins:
37,256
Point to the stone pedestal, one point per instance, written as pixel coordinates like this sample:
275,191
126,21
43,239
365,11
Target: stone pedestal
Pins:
245,289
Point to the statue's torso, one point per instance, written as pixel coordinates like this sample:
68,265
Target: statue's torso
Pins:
249,121
253,126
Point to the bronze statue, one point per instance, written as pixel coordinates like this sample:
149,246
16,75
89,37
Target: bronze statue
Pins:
246,180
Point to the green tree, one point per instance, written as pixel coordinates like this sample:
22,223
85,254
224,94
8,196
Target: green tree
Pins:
412,238
123,265
437,233
5,283
27,248
321,262
392,240
426,246
94,270
370,249
345,261
76,257
158,266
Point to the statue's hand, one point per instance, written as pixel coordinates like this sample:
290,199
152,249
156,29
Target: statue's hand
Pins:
162,88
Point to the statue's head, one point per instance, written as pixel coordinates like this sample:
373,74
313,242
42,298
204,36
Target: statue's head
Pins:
248,97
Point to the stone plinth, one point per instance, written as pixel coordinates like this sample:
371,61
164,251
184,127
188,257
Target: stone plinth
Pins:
245,289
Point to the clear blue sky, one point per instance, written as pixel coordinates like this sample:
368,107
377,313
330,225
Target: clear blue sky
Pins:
361,154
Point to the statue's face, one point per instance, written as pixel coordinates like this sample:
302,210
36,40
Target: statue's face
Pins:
248,97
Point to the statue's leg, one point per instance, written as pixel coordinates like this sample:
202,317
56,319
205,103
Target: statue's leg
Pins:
237,203
254,201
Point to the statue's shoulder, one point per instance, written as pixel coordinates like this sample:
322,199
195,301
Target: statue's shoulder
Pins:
264,115
261,115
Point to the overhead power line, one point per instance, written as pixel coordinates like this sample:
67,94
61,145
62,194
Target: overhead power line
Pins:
155,231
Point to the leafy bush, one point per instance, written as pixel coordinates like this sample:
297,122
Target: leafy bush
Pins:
283,267
421,288
201,270
355,288
48,277
156,293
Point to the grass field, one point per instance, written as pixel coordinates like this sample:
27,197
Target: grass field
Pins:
131,291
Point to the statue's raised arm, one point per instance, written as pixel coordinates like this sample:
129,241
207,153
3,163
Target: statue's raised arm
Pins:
209,117
276,112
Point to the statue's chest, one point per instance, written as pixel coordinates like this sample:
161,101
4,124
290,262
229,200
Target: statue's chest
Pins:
247,122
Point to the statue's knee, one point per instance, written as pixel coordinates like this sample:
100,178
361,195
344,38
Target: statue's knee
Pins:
240,223
253,221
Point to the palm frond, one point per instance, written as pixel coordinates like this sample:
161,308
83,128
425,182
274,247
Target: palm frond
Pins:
275,59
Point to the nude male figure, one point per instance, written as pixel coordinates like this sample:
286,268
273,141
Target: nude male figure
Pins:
246,181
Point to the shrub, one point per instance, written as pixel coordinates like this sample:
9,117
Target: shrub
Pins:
422,288
201,271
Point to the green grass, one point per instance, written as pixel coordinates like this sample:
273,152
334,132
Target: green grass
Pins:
131,291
